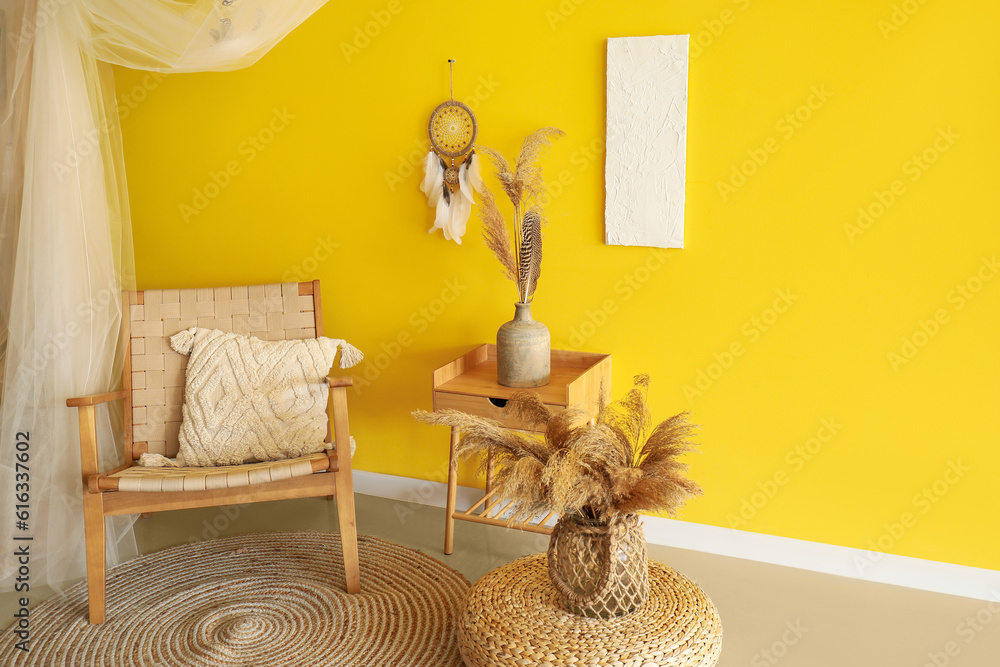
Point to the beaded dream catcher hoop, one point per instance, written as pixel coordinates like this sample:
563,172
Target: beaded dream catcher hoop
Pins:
449,186
452,128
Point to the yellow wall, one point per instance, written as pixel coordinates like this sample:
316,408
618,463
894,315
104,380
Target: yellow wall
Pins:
332,192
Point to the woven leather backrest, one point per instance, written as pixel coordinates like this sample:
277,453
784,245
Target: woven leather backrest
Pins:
155,376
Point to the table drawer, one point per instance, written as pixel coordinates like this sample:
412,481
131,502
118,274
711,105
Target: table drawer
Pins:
482,406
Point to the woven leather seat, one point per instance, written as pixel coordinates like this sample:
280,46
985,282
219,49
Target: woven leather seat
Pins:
151,480
153,380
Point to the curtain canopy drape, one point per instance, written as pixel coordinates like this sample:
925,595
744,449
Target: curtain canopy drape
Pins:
65,237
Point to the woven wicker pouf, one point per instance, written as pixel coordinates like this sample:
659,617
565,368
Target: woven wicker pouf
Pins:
512,617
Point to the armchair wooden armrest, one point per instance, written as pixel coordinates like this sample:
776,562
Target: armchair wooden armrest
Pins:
88,428
95,399
337,426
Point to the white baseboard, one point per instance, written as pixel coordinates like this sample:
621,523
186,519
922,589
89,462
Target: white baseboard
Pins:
928,575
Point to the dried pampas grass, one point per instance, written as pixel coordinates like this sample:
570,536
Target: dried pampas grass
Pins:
528,172
512,186
495,234
518,246
601,471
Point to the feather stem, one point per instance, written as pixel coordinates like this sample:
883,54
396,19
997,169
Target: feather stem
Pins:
517,248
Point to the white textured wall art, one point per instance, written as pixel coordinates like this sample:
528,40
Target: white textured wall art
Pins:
647,139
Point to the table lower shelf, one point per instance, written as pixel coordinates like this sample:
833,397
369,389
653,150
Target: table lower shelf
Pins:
491,508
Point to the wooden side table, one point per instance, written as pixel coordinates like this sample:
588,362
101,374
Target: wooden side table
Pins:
469,384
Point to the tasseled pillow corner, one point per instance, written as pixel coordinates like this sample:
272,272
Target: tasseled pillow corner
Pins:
183,341
349,355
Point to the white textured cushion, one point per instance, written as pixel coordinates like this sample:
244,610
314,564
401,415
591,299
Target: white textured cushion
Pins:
250,400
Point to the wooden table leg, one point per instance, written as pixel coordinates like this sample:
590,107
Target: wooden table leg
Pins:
449,519
489,475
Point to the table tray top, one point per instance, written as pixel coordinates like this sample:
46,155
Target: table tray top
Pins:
475,374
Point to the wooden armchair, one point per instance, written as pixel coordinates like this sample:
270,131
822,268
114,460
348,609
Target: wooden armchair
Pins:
153,394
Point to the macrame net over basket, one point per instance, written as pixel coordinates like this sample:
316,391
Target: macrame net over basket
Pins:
599,570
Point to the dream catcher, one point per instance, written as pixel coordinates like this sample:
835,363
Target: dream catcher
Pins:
451,169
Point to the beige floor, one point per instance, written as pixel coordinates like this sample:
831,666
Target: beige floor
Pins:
771,615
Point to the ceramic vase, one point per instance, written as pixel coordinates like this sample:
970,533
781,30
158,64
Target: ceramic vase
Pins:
523,350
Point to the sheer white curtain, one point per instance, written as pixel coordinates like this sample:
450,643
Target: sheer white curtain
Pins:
65,237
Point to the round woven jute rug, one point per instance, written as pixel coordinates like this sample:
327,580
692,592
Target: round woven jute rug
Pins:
267,600
512,617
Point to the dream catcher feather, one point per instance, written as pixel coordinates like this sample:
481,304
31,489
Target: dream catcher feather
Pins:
451,169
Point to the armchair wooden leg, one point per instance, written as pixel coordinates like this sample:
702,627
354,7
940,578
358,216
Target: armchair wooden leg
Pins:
345,490
93,517
93,513
348,535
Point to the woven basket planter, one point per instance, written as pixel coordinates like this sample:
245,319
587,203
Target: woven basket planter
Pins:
599,570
